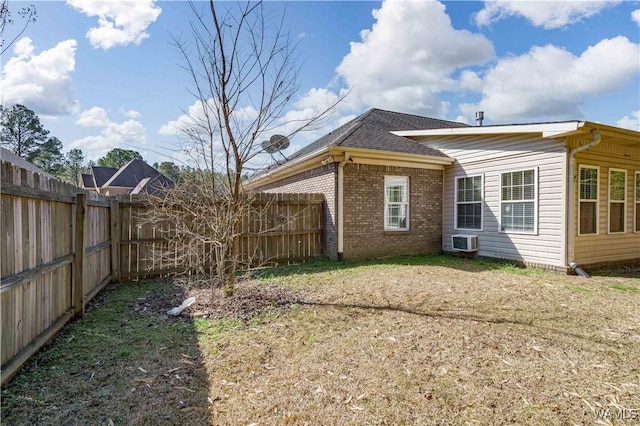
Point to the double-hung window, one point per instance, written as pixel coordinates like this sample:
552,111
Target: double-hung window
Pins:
469,202
617,200
588,200
396,203
518,200
637,204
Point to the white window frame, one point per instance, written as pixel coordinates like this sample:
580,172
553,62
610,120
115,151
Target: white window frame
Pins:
456,203
623,202
636,207
588,200
388,180
535,203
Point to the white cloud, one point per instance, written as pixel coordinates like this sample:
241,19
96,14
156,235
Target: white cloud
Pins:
635,16
552,82
129,113
630,122
129,134
194,114
42,82
547,14
93,117
119,22
406,59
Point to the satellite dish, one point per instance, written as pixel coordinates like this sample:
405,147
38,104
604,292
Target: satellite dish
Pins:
266,145
275,144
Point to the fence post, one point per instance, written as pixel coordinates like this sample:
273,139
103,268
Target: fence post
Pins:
78,257
115,240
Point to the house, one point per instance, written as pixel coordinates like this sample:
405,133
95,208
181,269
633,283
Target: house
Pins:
544,194
133,178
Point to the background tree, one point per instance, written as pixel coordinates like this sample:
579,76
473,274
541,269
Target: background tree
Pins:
21,131
49,157
75,166
27,13
169,169
242,66
118,157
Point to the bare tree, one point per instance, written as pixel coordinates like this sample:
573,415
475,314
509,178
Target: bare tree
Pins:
28,13
243,68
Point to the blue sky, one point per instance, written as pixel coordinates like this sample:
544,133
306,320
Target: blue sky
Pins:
103,75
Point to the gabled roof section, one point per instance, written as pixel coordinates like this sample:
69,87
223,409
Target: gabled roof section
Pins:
102,174
371,130
135,171
87,181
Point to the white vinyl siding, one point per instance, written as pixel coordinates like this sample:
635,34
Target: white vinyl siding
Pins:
468,208
588,200
518,201
617,200
636,207
396,203
490,156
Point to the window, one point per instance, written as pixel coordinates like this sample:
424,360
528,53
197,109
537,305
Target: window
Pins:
396,203
617,200
637,206
588,201
518,201
469,202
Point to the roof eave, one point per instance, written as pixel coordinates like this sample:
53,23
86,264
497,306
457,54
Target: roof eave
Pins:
546,129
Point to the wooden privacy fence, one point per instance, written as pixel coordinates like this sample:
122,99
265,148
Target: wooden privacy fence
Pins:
61,246
276,228
45,281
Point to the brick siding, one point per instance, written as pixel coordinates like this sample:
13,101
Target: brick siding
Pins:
321,180
364,234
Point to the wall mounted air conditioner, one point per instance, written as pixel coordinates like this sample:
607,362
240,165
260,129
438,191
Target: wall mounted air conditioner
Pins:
461,242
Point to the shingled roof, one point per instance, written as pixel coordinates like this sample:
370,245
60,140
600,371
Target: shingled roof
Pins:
102,174
130,175
371,130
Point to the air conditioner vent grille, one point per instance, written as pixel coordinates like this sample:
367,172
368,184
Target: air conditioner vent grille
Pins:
461,242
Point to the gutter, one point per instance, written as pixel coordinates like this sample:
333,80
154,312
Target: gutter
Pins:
572,220
340,206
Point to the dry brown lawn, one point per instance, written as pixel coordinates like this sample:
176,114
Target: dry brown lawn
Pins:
435,340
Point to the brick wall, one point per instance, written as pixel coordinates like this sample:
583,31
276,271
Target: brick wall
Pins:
321,180
364,234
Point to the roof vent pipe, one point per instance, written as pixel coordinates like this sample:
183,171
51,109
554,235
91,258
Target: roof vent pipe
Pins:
479,117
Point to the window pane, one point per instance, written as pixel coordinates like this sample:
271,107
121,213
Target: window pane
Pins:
529,177
518,216
616,217
637,217
638,187
588,184
587,217
469,216
616,185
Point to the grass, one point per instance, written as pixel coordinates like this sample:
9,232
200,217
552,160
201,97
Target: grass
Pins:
411,340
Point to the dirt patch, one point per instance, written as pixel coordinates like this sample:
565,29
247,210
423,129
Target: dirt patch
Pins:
249,300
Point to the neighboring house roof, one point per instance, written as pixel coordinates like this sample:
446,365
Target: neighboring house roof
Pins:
102,174
132,173
6,155
371,130
87,180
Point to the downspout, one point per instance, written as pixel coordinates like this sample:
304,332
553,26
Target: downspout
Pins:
571,221
340,206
